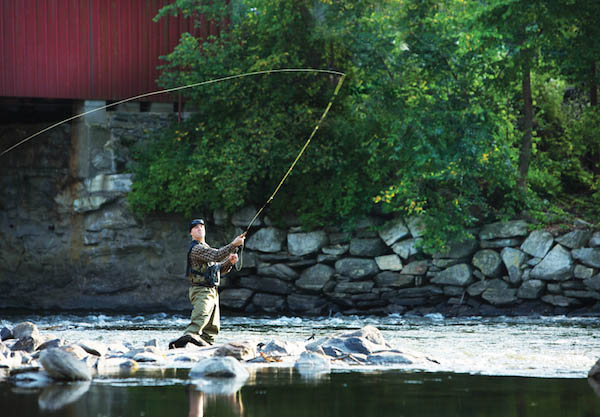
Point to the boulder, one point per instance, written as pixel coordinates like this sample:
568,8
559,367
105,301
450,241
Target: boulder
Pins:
415,268
458,250
366,341
538,243
279,348
582,272
531,289
93,348
266,284
459,275
508,229
301,303
407,248
488,261
314,278
25,329
593,283
356,268
587,256
219,367
336,249
416,225
500,297
243,217
27,344
559,300
269,303
393,279
312,363
477,288
63,366
390,358
354,287
300,244
393,231
5,334
575,239
500,243
267,239
513,260
595,240
557,265
235,298
281,271
389,263
241,351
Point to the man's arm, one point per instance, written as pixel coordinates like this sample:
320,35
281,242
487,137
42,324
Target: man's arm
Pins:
205,254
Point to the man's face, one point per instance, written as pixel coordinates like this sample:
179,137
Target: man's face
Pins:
198,232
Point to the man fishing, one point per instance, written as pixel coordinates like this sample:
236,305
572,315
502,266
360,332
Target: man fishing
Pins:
205,265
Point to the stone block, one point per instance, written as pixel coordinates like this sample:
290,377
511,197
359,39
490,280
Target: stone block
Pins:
356,268
268,239
367,247
538,243
488,261
416,268
394,280
406,248
587,256
557,265
576,239
531,290
459,275
510,229
389,262
393,231
300,244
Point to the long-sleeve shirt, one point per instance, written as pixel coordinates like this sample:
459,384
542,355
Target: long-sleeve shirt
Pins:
202,254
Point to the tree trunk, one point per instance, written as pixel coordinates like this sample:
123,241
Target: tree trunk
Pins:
525,153
593,87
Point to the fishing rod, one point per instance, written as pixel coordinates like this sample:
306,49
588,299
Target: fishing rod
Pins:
341,75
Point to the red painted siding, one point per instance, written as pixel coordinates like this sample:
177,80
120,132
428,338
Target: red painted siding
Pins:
85,49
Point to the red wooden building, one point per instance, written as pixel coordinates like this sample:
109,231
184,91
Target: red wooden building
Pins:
85,49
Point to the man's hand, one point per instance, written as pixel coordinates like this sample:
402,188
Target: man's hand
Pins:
233,258
239,241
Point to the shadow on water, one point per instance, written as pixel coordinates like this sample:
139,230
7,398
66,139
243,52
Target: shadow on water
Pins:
285,392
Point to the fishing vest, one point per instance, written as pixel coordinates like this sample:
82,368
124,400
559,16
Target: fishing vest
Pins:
209,275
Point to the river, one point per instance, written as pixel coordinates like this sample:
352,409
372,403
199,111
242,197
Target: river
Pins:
528,366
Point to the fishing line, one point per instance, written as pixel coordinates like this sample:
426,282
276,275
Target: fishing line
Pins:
169,90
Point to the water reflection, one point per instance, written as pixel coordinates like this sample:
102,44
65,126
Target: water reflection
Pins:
57,396
203,403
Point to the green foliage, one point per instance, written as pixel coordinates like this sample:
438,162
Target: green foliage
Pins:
428,123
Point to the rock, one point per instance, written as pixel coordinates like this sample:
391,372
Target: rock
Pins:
513,260
500,243
281,271
300,244
219,367
356,268
508,229
558,300
459,275
407,248
389,263
148,357
266,284
557,265
243,217
336,250
312,363
93,348
52,343
367,340
355,287
367,247
458,250
575,239
235,298
538,243
594,372
488,262
5,334
109,183
595,240
25,329
416,225
278,348
241,351
531,289
582,272
393,279
26,344
589,295
314,278
269,303
63,366
310,304
498,293
393,231
593,283
415,268
268,239
587,256
389,358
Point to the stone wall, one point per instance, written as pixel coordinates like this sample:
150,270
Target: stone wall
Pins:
381,270
70,242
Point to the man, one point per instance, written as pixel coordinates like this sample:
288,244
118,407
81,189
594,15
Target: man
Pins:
204,267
